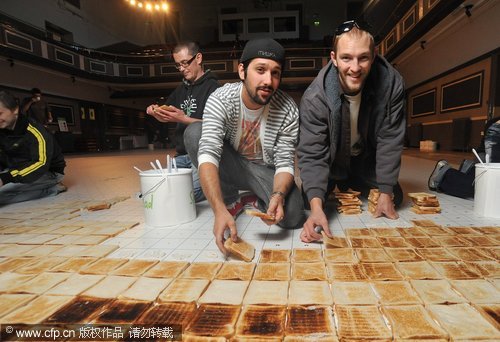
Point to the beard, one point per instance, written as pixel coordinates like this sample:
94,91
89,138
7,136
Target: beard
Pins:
260,100
351,88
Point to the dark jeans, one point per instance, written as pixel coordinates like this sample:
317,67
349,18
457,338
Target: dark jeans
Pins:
237,173
19,192
459,184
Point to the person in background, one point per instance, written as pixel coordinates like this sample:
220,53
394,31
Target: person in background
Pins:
36,108
31,162
352,127
460,183
186,103
247,142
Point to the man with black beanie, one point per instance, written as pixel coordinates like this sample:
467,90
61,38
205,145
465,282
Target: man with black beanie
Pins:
247,142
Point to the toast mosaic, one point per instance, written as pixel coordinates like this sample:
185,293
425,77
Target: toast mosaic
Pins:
426,282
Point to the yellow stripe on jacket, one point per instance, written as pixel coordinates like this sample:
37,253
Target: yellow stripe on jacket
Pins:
42,154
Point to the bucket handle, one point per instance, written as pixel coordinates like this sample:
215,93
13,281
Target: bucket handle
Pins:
153,189
479,176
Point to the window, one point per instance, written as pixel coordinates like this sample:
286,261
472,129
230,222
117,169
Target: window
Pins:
285,24
232,26
258,25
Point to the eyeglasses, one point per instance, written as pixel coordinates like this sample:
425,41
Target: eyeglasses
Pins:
185,64
346,27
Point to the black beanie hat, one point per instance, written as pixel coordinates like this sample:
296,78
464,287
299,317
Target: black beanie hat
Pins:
263,48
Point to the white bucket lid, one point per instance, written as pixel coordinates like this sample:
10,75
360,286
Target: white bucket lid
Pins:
156,173
488,166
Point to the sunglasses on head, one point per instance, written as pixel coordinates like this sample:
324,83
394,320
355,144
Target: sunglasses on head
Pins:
346,27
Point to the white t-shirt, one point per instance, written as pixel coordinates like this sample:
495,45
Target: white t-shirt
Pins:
354,104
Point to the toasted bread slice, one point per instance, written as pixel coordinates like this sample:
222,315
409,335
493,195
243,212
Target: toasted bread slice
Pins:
236,271
99,206
225,292
260,321
259,214
309,271
418,209
350,201
413,321
312,321
272,271
361,322
421,196
122,311
335,241
173,313
240,249
201,270
395,293
463,322
274,255
307,255
347,194
353,293
490,312
213,320
424,223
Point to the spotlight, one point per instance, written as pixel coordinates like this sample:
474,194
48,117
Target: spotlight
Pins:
467,8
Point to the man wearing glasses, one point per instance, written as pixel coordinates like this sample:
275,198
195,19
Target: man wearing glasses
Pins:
352,126
247,142
186,103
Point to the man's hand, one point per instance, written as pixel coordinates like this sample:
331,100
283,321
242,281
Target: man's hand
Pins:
317,218
224,220
385,207
171,114
275,209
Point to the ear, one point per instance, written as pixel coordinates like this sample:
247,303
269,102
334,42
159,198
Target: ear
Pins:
332,57
199,58
241,71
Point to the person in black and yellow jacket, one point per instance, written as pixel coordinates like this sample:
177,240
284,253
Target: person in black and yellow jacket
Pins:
31,162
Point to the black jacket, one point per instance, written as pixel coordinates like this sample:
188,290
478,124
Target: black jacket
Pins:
381,124
28,152
191,98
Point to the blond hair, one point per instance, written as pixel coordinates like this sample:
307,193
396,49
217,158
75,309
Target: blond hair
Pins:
355,33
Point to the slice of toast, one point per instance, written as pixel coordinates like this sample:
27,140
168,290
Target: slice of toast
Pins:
421,196
240,249
259,214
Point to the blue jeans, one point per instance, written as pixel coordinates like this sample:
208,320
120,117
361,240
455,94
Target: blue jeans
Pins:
238,173
19,192
185,162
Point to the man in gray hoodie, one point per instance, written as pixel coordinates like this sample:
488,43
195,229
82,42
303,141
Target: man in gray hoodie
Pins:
352,126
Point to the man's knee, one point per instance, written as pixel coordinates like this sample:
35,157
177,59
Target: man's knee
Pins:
294,211
192,136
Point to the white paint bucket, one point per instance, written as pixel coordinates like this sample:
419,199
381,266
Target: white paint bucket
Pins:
168,198
487,190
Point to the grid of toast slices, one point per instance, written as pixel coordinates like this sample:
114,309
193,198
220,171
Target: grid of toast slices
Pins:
426,282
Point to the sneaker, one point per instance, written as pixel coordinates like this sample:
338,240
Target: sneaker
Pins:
437,175
466,165
246,200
